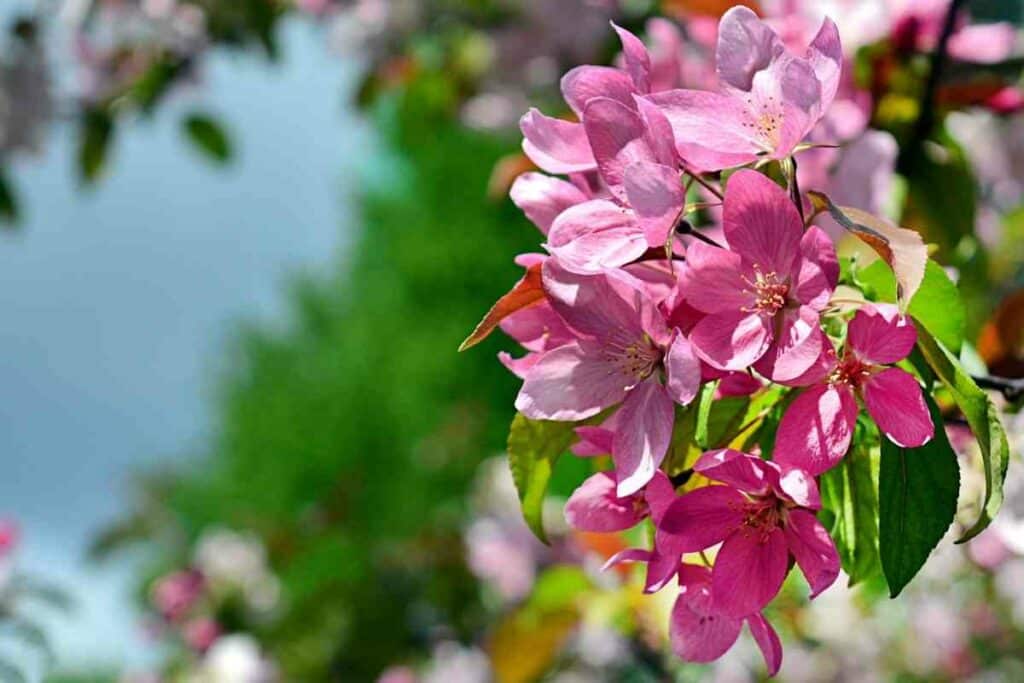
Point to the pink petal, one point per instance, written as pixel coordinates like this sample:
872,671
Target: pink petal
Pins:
556,146
627,556
746,45
542,198
879,334
825,55
761,223
572,382
731,340
593,441
518,366
617,137
813,549
767,641
700,519
666,49
895,402
592,304
656,195
658,133
638,62
737,384
584,83
595,507
823,366
682,371
797,345
748,473
816,429
537,327
659,494
709,128
749,571
661,569
818,270
697,632
712,281
984,43
644,431
800,487
596,235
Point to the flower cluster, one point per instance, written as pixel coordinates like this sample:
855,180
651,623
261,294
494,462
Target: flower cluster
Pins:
634,316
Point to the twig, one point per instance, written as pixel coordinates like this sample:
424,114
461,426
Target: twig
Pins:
684,227
705,184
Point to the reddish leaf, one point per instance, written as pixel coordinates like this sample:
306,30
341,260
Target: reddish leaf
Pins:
902,249
527,292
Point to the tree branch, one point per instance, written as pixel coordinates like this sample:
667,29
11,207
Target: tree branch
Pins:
1011,389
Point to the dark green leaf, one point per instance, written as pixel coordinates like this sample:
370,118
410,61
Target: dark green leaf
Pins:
983,418
534,447
849,493
155,82
936,305
95,134
704,402
208,136
917,492
8,200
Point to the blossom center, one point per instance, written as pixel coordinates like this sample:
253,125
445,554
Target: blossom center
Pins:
636,358
762,517
851,371
769,292
764,122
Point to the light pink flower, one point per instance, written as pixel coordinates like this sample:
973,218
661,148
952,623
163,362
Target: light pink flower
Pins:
769,99
763,295
917,25
201,633
623,353
762,516
175,594
537,328
816,430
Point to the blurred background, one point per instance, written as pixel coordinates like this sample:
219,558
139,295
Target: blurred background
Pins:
242,240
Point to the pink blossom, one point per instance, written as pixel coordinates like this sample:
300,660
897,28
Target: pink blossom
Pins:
763,296
175,594
624,353
769,99
201,633
595,506
9,535
816,430
537,328
762,516
917,24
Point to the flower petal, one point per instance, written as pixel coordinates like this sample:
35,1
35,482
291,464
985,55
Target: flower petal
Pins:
596,235
749,571
556,146
617,137
746,45
818,270
816,429
731,340
542,198
709,128
518,366
644,431
594,506
697,632
797,346
590,304
761,223
593,441
800,487
659,494
584,83
638,62
712,280
879,334
682,371
767,641
825,55
895,402
700,519
572,382
656,195
748,473
813,549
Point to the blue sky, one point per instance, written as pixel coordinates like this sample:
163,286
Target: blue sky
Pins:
116,302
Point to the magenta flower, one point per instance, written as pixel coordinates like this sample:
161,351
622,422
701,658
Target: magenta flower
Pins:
699,631
763,296
769,99
596,506
816,430
762,516
623,353
174,594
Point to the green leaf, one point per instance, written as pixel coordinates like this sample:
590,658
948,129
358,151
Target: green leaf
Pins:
534,447
704,403
917,492
849,493
983,418
208,136
937,304
10,672
95,135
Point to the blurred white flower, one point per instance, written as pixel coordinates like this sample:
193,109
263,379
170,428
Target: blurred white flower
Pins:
235,659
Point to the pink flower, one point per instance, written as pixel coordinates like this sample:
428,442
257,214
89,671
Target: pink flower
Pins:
701,633
8,537
762,297
174,594
537,328
769,99
917,24
816,430
762,516
595,506
201,633
623,353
